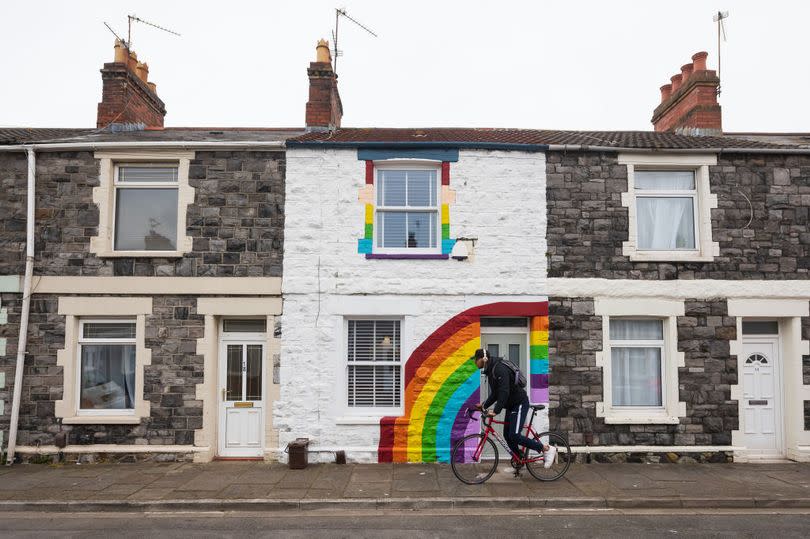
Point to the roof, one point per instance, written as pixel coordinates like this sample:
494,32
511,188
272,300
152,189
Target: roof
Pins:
476,137
532,137
21,135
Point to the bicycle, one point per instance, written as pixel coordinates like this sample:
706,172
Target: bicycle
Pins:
475,457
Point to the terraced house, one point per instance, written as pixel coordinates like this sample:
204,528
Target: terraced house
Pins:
653,285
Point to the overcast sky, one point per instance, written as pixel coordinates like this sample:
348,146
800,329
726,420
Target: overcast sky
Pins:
594,65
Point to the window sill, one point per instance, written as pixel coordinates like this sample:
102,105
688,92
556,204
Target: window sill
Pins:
141,254
406,256
667,256
628,419
102,420
359,420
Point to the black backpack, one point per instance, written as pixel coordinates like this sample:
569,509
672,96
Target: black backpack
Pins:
518,379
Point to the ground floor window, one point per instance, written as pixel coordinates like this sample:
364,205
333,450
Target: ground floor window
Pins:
374,364
637,357
107,369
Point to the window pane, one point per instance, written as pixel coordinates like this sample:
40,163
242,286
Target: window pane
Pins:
107,377
147,174
664,180
514,353
258,325
636,330
493,350
109,330
636,376
233,376
665,223
391,188
146,219
421,188
504,322
391,232
374,385
760,327
374,340
421,229
254,372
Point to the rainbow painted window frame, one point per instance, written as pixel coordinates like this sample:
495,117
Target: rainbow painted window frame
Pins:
375,162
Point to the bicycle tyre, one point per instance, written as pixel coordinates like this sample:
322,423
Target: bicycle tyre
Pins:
561,463
474,473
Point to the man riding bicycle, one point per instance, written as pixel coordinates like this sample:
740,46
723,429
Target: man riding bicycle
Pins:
510,396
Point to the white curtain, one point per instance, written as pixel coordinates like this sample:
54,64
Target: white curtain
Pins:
636,376
664,223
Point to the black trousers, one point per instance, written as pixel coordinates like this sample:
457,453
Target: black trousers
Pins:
513,426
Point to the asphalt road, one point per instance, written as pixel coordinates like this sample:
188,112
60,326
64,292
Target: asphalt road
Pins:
409,524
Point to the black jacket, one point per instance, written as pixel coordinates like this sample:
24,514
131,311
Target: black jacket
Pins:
502,391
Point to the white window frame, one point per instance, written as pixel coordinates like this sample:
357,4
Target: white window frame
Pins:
639,343
82,340
78,309
408,164
105,196
704,201
117,184
371,411
667,311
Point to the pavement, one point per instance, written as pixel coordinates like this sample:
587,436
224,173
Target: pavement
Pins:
259,486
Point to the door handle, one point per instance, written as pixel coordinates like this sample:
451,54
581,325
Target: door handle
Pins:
223,394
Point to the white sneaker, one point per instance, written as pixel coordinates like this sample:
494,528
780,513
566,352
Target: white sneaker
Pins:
550,456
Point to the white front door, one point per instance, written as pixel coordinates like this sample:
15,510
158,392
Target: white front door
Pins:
762,407
242,398
511,346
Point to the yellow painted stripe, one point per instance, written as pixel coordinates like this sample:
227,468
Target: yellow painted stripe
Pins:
369,214
428,393
538,337
445,214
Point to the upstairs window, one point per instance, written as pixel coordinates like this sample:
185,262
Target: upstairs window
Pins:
407,211
666,205
146,207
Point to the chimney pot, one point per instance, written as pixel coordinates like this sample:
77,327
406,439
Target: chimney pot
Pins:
153,87
666,91
322,54
132,63
676,82
686,70
142,71
699,60
120,52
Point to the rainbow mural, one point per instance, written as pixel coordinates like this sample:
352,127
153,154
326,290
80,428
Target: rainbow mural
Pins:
441,382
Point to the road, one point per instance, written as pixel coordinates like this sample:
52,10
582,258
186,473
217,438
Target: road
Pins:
407,524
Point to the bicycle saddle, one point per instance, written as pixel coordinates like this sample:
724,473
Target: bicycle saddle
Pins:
538,407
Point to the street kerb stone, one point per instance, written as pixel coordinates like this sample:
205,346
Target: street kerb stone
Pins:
574,502
782,502
717,503
416,503
644,503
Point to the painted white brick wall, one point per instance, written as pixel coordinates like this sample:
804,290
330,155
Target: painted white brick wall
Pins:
500,200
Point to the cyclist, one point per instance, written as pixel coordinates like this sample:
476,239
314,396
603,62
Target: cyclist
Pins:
510,396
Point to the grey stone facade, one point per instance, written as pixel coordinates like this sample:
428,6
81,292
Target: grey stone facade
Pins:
704,332
587,222
170,381
236,220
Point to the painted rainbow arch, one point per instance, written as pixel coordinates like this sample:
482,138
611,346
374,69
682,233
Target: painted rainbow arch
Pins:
441,381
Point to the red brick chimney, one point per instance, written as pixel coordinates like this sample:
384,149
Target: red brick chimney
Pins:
689,104
324,109
127,96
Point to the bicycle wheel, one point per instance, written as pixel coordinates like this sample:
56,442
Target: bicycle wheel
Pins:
474,459
561,463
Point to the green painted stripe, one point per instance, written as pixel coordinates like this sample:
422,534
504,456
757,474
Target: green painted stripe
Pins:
369,231
538,351
434,413
446,231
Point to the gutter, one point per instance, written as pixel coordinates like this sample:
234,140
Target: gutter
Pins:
719,151
188,145
421,145
22,340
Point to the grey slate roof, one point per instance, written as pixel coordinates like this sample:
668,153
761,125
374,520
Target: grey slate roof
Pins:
170,134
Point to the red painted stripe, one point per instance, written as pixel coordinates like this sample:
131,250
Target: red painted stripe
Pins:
370,172
445,173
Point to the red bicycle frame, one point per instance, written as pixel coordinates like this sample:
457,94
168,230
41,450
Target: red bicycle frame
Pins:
489,431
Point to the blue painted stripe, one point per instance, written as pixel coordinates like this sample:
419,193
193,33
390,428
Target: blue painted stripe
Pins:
447,246
439,154
539,366
445,426
364,246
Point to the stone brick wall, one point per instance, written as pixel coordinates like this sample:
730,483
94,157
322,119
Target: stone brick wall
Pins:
236,220
704,332
170,381
587,222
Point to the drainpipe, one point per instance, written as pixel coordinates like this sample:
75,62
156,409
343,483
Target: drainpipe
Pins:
23,337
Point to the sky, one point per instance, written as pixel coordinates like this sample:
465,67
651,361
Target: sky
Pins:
581,65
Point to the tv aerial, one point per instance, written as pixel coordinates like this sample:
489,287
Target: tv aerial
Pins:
721,29
341,12
134,18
